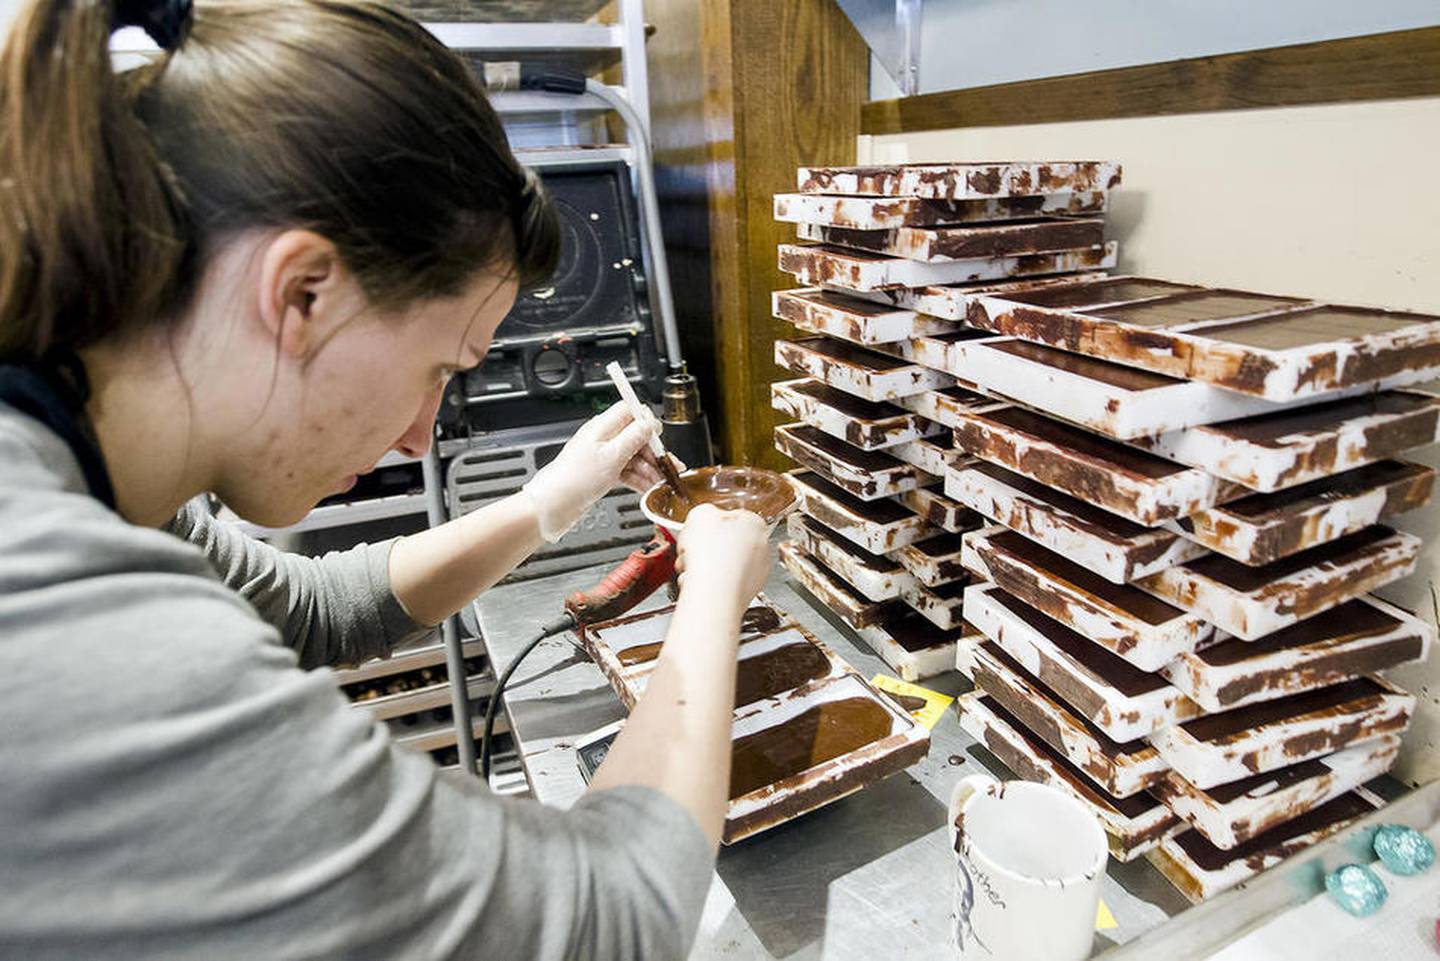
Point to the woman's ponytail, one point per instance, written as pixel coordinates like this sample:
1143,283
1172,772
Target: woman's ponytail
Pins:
342,117
91,236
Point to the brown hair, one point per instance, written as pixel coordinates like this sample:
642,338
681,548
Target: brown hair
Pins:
345,118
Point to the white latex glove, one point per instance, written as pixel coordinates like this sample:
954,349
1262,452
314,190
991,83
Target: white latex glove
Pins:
605,447
724,555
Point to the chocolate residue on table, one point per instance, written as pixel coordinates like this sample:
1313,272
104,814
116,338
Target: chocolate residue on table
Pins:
824,732
729,488
640,652
759,620
777,671
756,620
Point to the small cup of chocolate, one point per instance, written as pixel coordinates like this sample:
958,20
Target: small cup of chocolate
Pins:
756,489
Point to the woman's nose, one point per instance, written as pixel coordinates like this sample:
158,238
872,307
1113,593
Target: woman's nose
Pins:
416,440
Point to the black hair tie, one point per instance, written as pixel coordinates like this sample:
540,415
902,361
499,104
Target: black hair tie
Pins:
166,21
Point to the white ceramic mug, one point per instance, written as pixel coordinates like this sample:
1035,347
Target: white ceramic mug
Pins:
1027,879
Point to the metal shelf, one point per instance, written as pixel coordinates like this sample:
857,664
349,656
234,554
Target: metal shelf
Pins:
503,11
556,156
423,699
588,47
439,734
507,775
411,660
526,104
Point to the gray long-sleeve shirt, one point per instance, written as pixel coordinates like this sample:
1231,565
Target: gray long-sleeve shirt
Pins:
174,785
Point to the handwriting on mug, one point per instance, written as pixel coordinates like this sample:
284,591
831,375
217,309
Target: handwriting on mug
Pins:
989,886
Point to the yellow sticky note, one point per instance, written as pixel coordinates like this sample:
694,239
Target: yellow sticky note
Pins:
1104,920
935,702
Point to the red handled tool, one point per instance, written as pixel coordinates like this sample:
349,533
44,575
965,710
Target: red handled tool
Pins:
637,577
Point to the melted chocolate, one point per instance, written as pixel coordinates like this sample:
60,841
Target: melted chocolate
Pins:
756,620
672,478
846,454
908,703
1116,375
1318,326
1326,490
878,563
1349,621
1129,599
960,337
1116,456
882,511
729,488
846,353
832,300
941,545
1244,578
848,404
1195,307
1107,744
639,653
1277,429
774,672
1334,699
759,620
1131,807
1274,781
1095,517
1208,857
1114,670
824,732
1035,235
915,632
1104,292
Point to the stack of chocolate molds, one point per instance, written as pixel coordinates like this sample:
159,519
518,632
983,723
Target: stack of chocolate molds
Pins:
1192,491
876,538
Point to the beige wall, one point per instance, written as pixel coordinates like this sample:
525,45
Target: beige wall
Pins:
1339,202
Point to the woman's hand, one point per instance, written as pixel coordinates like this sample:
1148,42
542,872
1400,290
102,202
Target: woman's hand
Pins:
603,453
642,473
723,554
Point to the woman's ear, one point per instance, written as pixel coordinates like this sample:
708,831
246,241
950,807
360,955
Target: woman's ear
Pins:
303,291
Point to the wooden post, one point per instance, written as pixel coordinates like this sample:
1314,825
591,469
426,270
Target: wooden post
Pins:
743,92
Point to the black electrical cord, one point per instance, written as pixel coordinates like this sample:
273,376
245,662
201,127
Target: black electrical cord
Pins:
563,623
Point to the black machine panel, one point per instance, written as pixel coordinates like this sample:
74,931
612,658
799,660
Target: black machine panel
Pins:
550,352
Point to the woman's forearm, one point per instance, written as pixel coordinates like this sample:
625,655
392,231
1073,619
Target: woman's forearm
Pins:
438,571
677,739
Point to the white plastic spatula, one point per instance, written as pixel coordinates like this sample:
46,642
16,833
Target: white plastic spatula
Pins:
639,411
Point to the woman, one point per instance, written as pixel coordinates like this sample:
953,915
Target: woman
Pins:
250,268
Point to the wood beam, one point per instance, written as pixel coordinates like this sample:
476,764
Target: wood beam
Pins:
743,92
1382,66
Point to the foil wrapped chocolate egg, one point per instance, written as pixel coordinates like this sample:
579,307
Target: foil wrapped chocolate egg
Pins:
1357,889
1403,850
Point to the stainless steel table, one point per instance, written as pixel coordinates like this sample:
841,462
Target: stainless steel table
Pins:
867,877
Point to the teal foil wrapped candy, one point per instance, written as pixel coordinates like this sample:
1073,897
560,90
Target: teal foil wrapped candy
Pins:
1403,850
1357,889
